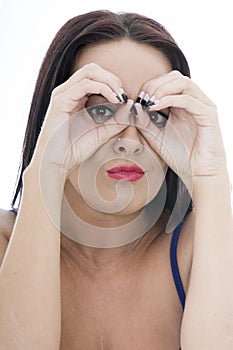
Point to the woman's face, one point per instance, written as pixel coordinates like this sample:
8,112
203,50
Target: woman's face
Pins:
110,180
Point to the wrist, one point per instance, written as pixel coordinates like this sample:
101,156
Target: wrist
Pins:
43,189
212,188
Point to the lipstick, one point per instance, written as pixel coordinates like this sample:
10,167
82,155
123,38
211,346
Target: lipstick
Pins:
126,172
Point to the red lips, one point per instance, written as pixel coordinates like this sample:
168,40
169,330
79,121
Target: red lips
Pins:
126,172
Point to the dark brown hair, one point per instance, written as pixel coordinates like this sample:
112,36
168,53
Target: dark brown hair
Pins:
76,35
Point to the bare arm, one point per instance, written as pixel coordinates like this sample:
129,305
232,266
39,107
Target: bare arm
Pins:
30,306
191,144
208,316
30,278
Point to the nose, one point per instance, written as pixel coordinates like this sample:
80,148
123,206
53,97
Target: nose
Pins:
129,142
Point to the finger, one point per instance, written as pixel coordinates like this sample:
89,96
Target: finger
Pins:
151,85
192,105
172,146
69,100
141,121
149,119
93,72
175,83
86,135
83,122
122,117
167,142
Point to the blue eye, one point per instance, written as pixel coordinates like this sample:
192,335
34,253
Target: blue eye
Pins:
158,118
101,113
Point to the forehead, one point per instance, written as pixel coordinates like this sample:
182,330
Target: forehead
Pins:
133,63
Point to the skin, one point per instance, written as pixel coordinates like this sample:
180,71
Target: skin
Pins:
191,144
124,53
206,242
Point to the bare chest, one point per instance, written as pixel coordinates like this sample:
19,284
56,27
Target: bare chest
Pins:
140,311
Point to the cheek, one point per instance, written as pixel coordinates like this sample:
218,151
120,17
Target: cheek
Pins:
105,186
73,178
155,177
161,167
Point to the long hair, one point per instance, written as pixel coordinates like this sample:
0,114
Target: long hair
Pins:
74,37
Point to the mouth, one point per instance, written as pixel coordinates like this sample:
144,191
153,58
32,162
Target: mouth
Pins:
126,172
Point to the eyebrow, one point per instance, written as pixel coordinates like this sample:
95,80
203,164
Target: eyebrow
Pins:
97,96
95,99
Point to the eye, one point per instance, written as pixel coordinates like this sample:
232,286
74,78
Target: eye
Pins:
101,113
158,118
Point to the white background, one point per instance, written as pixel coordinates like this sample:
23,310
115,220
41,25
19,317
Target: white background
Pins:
203,30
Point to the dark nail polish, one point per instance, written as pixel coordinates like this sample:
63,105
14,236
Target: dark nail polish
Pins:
149,103
119,99
124,96
143,102
139,99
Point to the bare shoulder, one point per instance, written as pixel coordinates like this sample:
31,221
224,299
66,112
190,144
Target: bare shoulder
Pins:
7,220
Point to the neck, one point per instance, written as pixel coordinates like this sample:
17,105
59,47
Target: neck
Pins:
87,233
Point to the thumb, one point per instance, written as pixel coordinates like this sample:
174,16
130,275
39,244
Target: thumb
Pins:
166,139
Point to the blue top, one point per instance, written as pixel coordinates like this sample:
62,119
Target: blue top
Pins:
13,211
174,263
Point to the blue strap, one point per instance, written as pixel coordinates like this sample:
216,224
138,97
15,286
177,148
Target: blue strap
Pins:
174,264
13,211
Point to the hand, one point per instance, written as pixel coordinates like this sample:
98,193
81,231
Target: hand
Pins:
73,128
190,140
69,131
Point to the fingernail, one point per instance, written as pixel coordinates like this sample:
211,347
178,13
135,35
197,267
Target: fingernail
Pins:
140,97
118,98
124,96
145,99
152,101
149,103
155,103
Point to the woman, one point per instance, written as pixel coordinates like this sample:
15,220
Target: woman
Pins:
118,139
